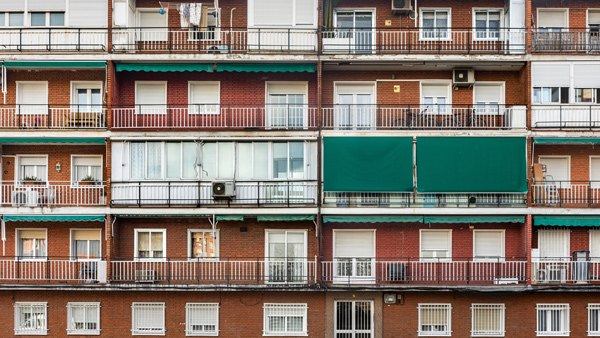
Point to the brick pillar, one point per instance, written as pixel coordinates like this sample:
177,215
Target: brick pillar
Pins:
528,236
108,244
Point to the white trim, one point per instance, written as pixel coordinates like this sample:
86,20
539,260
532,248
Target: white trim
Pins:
85,85
139,305
159,111
285,310
209,306
352,331
17,312
435,29
217,244
501,307
71,244
439,307
293,24
18,165
474,11
567,157
564,309
135,244
84,305
304,257
597,185
18,245
206,111
502,248
590,307
356,230
76,183
34,107
544,9
448,231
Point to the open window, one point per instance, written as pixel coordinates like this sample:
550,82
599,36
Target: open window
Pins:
558,169
203,244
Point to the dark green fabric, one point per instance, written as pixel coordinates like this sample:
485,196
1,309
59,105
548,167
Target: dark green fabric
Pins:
471,164
566,140
54,218
55,64
284,218
165,67
474,219
229,217
372,219
369,164
96,140
266,67
575,221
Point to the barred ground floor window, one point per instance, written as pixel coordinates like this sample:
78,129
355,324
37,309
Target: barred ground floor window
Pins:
435,320
202,319
487,320
148,318
31,318
285,319
83,318
553,320
353,319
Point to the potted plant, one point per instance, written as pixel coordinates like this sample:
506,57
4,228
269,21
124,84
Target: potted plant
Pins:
31,180
88,180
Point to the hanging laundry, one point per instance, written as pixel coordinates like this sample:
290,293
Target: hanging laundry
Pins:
204,18
195,13
184,14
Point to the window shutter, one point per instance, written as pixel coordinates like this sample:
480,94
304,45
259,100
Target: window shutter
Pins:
268,12
430,90
153,19
289,88
86,235
557,167
593,17
554,243
488,243
13,5
204,93
89,13
305,12
595,243
32,161
33,93
488,93
45,5
37,234
91,161
151,93
354,244
551,19
586,75
595,169
434,240
550,75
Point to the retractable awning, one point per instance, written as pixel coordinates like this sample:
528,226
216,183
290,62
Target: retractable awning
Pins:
54,64
54,218
372,219
86,140
266,67
229,217
575,140
285,218
474,219
164,67
575,221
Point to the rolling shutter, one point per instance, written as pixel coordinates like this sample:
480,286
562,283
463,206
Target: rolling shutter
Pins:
557,167
45,5
90,13
86,235
435,240
488,244
552,18
268,12
550,74
151,93
354,244
586,75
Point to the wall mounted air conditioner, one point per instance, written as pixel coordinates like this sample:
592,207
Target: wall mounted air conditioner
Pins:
223,189
25,198
463,77
145,276
553,274
401,6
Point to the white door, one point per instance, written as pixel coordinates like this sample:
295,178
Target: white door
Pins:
355,107
354,256
355,27
286,257
353,319
286,105
435,99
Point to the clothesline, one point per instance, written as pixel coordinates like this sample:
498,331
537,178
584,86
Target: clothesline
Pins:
175,5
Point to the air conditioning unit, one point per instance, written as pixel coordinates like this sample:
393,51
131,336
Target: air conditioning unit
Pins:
217,49
396,272
25,198
553,274
145,276
223,189
463,77
401,6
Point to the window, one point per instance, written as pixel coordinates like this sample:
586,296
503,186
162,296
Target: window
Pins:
32,168
31,244
217,159
587,95
357,27
354,255
354,319
153,26
436,244
31,318
286,105
285,319
151,97
593,21
147,160
86,168
550,95
203,244
355,108
487,98
553,319
551,19
150,243
282,13
202,319
435,24
286,254
44,19
204,98
593,319
253,160
487,320
488,244
181,160
15,19
87,97
83,318
487,24
148,319
86,244
595,172
554,244
208,27
435,98
32,98
288,160
435,319
595,244
558,168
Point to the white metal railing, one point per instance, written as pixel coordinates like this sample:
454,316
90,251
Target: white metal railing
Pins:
402,200
38,194
565,116
53,39
45,116
564,270
573,40
52,269
558,193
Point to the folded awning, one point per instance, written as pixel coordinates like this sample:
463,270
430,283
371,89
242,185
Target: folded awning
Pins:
54,64
165,67
87,140
54,218
574,140
372,219
575,221
266,67
474,219
285,218
229,217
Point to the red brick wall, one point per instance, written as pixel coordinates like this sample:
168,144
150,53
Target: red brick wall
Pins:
580,157
579,239
577,10
239,15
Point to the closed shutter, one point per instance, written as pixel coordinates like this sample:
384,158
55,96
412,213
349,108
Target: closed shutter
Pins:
488,93
87,161
431,90
557,167
33,93
151,93
554,244
86,235
154,23
30,234
207,95
595,244
435,240
89,13
593,17
595,170
550,74
268,12
488,244
45,5
32,160
586,75
552,19
305,12
288,88
354,244
13,5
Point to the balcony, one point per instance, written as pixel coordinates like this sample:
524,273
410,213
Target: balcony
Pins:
423,200
271,271
565,117
565,193
52,194
54,39
286,117
216,41
194,193
32,116
51,270
423,40
564,270
573,40
421,270
431,117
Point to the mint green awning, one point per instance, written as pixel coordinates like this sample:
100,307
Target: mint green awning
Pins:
285,218
369,164
54,64
165,67
574,140
471,164
575,221
87,140
229,217
266,67
54,218
159,216
372,219
474,219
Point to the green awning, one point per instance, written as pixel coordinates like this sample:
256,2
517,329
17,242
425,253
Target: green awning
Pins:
229,217
159,216
369,164
372,219
474,219
471,164
266,67
87,140
54,218
165,67
574,140
54,64
575,221
285,218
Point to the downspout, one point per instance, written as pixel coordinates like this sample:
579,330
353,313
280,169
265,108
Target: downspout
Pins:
231,18
4,89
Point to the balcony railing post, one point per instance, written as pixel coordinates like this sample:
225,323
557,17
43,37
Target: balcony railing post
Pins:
139,194
437,270
468,270
589,194
49,39
289,39
169,270
169,194
47,263
198,269
257,270
78,39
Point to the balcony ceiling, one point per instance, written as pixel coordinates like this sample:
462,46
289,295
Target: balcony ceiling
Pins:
420,66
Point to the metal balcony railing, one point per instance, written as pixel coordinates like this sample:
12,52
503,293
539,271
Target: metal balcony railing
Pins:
423,270
40,116
214,116
433,116
220,270
565,193
194,193
43,194
411,200
53,39
568,40
565,116
561,270
51,269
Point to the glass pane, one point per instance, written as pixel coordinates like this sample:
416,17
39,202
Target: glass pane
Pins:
173,160
38,19
57,19
280,160
555,94
297,159
138,153
2,19
81,249
546,97
189,160
261,160
94,249
15,19
27,247
209,160
294,324
225,160
154,159
96,100
244,160
82,99
537,95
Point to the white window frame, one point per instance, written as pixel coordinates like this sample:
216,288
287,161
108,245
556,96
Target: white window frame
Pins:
502,248
436,307
270,174
565,13
71,330
294,89
594,234
568,158
252,23
163,163
353,331
560,96
24,108
285,310
354,260
436,30
75,85
448,258
501,308
303,260
18,166
447,109
72,249
18,306
190,252
6,15
74,182
486,110
213,108
595,185
158,110
156,34
135,245
18,245
596,308
136,331
189,322
354,88
487,29
564,319
47,22
595,96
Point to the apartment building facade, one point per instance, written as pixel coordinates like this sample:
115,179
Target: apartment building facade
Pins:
317,168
